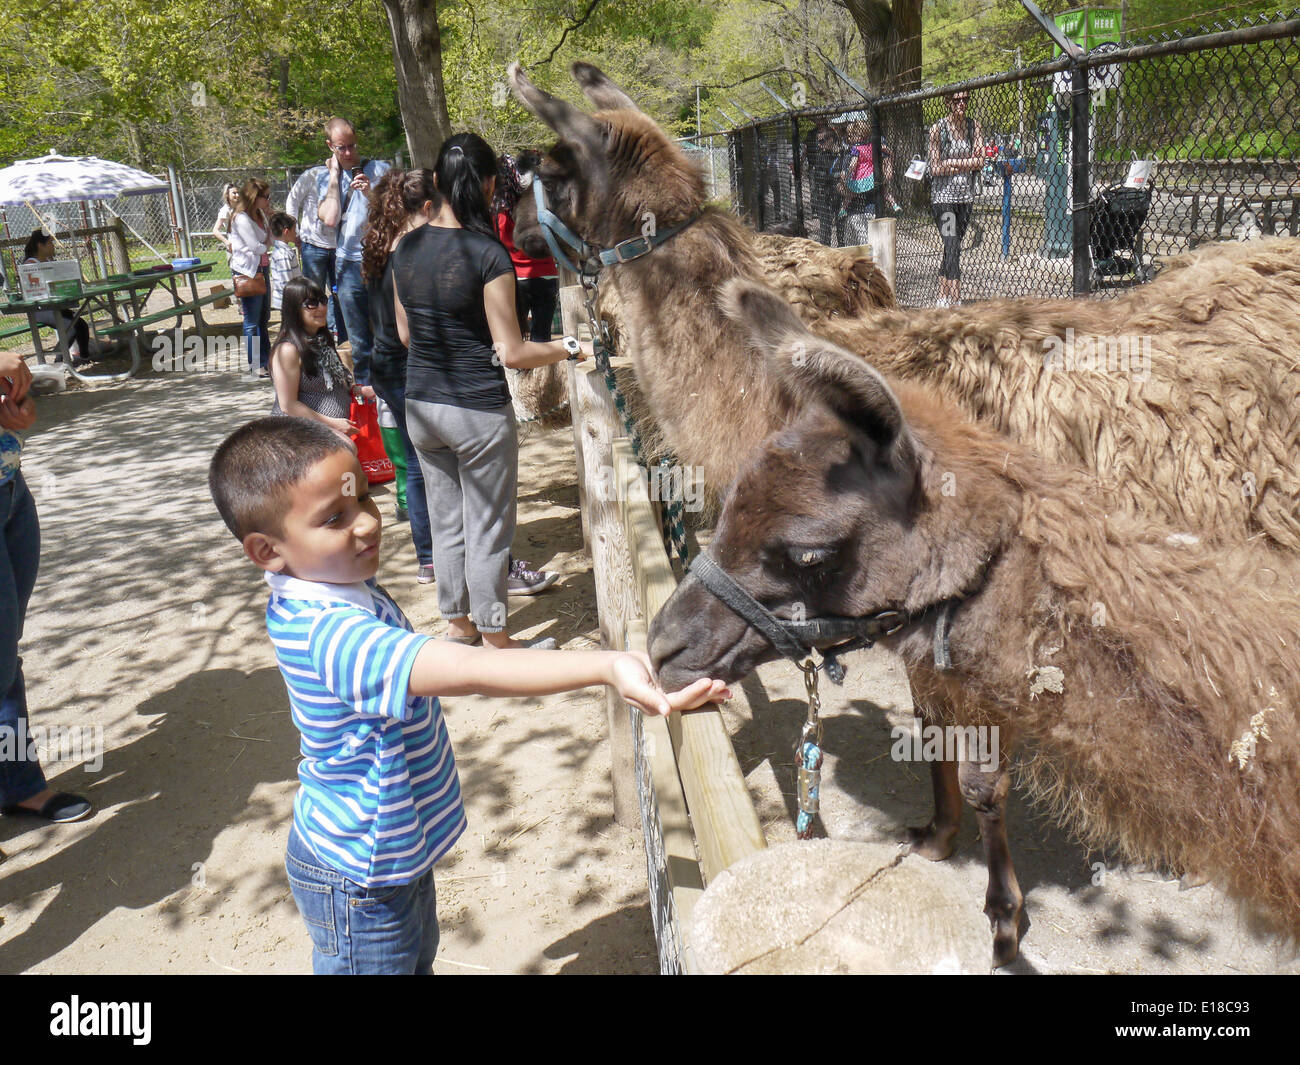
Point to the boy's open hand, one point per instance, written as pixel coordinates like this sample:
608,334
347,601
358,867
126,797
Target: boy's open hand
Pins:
634,679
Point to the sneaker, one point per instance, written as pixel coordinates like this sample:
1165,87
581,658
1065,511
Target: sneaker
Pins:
424,575
401,515
524,581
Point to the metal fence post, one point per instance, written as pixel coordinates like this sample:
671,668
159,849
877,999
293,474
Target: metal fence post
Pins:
1080,192
878,159
798,174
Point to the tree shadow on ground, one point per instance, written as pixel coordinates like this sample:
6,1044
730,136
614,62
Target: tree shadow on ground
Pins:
161,801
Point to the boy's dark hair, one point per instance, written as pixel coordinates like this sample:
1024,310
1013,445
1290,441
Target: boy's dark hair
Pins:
281,223
257,465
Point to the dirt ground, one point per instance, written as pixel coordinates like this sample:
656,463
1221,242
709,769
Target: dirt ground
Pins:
1088,912
147,622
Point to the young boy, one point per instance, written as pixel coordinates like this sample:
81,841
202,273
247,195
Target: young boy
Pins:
379,800
285,263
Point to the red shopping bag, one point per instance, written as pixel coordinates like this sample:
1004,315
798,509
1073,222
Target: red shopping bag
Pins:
370,444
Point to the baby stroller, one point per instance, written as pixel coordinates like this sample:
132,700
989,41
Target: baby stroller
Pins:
1118,214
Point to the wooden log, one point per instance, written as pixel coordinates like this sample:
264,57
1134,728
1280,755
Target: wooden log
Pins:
571,315
882,235
682,867
596,423
722,813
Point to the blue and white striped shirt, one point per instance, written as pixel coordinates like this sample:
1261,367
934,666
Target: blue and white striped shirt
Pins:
380,798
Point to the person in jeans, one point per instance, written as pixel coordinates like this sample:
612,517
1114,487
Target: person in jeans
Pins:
455,308
379,797
23,791
344,205
399,203
316,240
250,256
956,158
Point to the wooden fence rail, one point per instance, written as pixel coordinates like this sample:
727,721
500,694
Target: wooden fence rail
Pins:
695,811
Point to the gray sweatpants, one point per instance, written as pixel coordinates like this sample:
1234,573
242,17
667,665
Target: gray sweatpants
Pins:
470,462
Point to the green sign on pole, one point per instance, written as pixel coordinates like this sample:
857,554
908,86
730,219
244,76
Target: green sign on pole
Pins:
1089,27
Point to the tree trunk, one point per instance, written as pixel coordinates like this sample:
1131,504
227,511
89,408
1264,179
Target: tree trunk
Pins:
891,36
417,53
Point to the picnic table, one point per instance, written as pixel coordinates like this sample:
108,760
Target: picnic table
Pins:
124,298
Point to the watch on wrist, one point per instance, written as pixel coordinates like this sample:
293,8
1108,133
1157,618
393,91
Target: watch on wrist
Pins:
572,346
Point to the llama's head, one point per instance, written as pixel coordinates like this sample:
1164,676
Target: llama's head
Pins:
612,172
841,512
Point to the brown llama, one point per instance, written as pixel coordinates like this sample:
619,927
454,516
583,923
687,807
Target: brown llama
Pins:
1204,429
821,283
1152,678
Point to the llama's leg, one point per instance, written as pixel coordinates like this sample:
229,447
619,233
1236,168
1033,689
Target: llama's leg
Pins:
937,839
1003,903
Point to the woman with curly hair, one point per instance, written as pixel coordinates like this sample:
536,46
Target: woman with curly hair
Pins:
400,201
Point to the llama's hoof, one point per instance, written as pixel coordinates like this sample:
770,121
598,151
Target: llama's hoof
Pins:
931,842
1008,927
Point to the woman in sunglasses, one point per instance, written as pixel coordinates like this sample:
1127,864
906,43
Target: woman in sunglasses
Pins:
310,379
956,157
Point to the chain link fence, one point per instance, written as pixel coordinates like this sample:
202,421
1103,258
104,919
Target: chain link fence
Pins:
712,153
1181,140
203,193
106,238
116,236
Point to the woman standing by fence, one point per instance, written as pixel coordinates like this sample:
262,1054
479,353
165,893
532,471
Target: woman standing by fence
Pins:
250,257
956,157
456,312
399,203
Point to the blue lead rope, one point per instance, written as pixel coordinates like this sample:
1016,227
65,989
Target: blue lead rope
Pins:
808,756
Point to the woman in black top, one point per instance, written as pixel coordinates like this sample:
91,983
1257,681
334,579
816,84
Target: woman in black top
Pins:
399,203
455,309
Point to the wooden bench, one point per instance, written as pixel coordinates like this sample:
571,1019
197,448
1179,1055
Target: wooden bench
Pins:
178,311
15,330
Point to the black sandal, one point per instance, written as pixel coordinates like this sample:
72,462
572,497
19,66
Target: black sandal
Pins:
59,808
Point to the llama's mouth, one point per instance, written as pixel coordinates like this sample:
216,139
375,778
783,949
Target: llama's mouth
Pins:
695,635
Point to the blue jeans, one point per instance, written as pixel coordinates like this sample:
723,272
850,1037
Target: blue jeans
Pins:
355,305
358,931
257,325
318,265
19,779
393,392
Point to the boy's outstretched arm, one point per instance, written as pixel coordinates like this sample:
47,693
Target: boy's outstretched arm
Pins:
445,668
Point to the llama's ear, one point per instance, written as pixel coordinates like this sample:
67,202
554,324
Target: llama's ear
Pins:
570,123
602,92
811,368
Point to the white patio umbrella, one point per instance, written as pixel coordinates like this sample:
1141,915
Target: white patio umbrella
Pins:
66,179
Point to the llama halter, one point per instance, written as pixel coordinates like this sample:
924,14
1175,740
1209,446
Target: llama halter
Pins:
593,256
796,640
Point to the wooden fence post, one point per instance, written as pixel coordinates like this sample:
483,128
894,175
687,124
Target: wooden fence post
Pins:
882,234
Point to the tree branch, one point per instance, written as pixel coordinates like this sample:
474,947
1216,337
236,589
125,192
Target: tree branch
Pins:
591,8
755,77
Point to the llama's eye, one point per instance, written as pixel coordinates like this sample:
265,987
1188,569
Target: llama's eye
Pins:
807,557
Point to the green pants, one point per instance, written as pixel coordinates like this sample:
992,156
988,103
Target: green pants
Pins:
396,449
